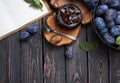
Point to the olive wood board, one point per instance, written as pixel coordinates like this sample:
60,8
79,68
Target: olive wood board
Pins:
52,22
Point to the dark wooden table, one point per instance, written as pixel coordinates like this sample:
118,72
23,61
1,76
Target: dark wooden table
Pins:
36,61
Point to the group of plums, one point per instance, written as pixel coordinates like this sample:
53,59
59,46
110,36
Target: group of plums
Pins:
107,20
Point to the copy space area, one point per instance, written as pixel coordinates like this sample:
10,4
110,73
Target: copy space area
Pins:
16,13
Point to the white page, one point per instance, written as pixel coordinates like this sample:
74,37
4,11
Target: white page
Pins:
16,13
6,23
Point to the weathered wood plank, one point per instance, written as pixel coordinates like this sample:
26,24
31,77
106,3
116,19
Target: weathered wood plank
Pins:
14,58
114,66
31,59
54,63
24,64
97,60
76,68
4,61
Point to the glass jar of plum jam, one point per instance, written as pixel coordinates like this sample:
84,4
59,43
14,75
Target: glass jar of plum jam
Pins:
69,16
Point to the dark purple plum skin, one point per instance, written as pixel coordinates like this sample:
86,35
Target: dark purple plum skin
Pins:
24,35
110,15
100,23
101,9
108,38
32,28
115,31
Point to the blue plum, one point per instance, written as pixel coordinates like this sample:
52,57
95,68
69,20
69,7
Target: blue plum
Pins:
32,28
108,38
115,31
101,9
24,35
110,15
100,23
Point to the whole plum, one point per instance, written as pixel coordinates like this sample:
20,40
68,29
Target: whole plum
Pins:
32,28
108,38
24,35
115,31
110,14
100,23
101,9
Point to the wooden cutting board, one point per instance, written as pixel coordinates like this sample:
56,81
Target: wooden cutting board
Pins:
53,24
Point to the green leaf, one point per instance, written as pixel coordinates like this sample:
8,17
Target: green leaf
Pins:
35,4
117,40
37,1
41,5
29,1
87,46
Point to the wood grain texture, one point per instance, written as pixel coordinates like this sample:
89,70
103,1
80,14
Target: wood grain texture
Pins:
31,59
54,63
114,66
37,61
76,68
97,60
14,59
4,61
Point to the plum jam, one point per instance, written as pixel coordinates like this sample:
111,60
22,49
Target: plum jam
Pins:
69,16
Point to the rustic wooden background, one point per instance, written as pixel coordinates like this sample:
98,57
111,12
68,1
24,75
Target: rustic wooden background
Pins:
36,61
